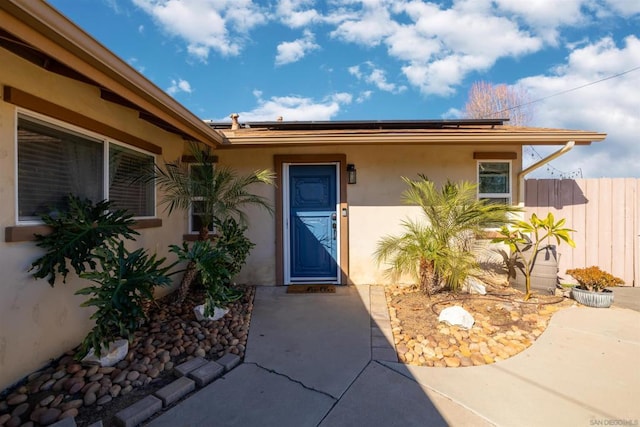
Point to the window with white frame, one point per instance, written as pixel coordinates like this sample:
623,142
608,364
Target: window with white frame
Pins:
55,160
494,181
198,173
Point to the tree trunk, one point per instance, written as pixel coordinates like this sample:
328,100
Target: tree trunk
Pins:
426,276
191,271
185,285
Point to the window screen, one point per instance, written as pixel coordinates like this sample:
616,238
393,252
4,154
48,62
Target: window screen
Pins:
125,191
494,181
52,163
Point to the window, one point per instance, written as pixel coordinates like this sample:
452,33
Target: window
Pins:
494,181
54,161
198,173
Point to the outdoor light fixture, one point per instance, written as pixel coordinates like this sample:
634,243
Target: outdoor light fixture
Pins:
351,173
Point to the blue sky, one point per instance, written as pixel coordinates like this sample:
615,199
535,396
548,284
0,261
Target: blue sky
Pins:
383,60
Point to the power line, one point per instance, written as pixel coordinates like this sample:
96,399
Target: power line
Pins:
550,168
569,90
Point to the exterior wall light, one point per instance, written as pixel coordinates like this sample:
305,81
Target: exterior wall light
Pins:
351,173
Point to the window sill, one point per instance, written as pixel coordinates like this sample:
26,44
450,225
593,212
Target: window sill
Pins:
26,233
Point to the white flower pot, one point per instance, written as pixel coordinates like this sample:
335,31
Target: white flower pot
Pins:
602,299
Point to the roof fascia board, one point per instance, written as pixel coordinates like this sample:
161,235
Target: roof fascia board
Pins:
534,138
40,25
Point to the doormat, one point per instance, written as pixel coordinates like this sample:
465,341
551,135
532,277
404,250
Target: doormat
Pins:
311,289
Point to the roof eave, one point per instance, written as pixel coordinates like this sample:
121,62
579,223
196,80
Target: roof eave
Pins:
44,28
264,140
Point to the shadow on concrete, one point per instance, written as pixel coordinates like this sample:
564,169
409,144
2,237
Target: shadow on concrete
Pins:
328,360
313,359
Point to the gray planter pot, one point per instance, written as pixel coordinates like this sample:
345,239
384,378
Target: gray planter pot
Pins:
602,299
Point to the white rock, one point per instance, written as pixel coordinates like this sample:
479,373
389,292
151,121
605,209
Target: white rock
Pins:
116,352
474,286
457,316
218,313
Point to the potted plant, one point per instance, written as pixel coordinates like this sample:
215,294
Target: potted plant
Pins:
527,239
592,289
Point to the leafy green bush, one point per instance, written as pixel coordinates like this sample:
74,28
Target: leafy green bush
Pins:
76,233
233,241
211,264
125,279
593,279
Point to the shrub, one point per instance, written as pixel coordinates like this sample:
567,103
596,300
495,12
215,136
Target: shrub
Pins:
533,234
211,263
125,279
593,279
76,233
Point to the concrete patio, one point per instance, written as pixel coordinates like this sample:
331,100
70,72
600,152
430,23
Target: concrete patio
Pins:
326,360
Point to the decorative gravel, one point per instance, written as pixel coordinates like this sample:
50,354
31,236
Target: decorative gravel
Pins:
68,388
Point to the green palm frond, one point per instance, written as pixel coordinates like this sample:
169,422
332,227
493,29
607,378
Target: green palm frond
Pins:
452,217
219,189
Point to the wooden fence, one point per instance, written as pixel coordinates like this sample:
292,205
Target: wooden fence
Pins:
605,213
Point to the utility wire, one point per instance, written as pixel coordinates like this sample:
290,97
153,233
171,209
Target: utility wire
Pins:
569,90
549,167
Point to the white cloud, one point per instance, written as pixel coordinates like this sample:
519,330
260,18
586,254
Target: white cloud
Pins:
375,76
179,85
289,52
453,114
221,25
610,106
364,96
455,42
545,16
368,26
297,13
626,8
295,107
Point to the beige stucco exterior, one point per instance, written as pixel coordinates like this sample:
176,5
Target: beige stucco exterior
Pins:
374,202
38,322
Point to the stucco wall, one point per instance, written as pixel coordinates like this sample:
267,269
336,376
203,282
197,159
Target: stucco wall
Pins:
38,322
375,207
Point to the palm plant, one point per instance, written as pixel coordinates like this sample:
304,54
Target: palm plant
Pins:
218,190
438,250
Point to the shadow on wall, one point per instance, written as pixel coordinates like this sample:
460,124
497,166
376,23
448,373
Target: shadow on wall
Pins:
555,193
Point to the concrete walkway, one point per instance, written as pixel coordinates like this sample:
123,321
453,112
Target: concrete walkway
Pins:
326,360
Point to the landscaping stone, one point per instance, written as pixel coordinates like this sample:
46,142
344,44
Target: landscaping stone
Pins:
64,422
229,361
206,373
190,365
155,349
175,390
456,316
138,412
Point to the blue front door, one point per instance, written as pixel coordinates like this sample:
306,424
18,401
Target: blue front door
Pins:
313,233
